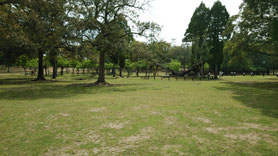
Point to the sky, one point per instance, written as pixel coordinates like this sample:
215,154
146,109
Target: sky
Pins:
175,15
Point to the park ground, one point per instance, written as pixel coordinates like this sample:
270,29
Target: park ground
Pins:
68,116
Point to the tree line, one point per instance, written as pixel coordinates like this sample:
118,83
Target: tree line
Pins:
98,35
244,42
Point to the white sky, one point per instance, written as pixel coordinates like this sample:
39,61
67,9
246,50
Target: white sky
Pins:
175,15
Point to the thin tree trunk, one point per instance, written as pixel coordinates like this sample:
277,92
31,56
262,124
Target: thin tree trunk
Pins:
137,72
114,70
54,75
25,72
62,70
45,70
121,72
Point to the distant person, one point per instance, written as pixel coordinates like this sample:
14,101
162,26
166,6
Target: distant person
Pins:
209,75
277,74
244,73
234,73
252,74
221,74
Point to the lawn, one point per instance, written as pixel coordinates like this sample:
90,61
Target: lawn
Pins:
232,116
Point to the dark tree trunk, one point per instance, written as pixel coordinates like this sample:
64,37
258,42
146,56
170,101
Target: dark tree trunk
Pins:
77,70
101,74
83,71
72,70
40,72
128,73
54,66
137,72
62,70
121,72
114,70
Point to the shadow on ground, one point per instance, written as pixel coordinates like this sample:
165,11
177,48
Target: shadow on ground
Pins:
258,95
56,90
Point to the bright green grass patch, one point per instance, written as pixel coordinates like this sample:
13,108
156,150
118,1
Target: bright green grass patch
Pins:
233,116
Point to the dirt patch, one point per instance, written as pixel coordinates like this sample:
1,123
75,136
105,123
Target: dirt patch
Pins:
64,114
144,134
252,138
199,139
67,151
171,120
173,148
259,127
156,113
204,120
98,109
117,125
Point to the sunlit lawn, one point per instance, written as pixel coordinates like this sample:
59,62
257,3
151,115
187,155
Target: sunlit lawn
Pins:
233,116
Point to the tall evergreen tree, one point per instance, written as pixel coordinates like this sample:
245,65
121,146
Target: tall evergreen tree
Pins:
196,34
219,17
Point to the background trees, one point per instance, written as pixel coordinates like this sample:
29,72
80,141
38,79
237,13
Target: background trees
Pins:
196,35
217,22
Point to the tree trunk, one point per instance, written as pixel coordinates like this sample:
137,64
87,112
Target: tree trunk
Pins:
83,71
25,72
40,72
121,72
101,74
62,70
128,73
202,70
54,75
45,71
114,71
137,72
8,69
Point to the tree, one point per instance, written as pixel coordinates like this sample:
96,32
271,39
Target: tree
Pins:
174,65
181,53
62,63
267,9
196,35
22,61
42,23
98,22
218,19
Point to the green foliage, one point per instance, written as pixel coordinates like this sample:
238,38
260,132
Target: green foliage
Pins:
181,53
218,19
22,61
109,66
74,63
32,64
196,35
62,62
175,65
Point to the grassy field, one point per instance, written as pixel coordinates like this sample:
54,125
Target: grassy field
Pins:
233,116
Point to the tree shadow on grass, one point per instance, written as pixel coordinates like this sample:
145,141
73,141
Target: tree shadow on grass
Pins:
258,95
50,90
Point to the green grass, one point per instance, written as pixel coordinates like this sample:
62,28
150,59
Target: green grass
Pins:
233,116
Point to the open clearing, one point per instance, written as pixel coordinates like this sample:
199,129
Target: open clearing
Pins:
233,116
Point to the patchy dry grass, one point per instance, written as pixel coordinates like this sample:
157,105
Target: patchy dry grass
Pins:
233,116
